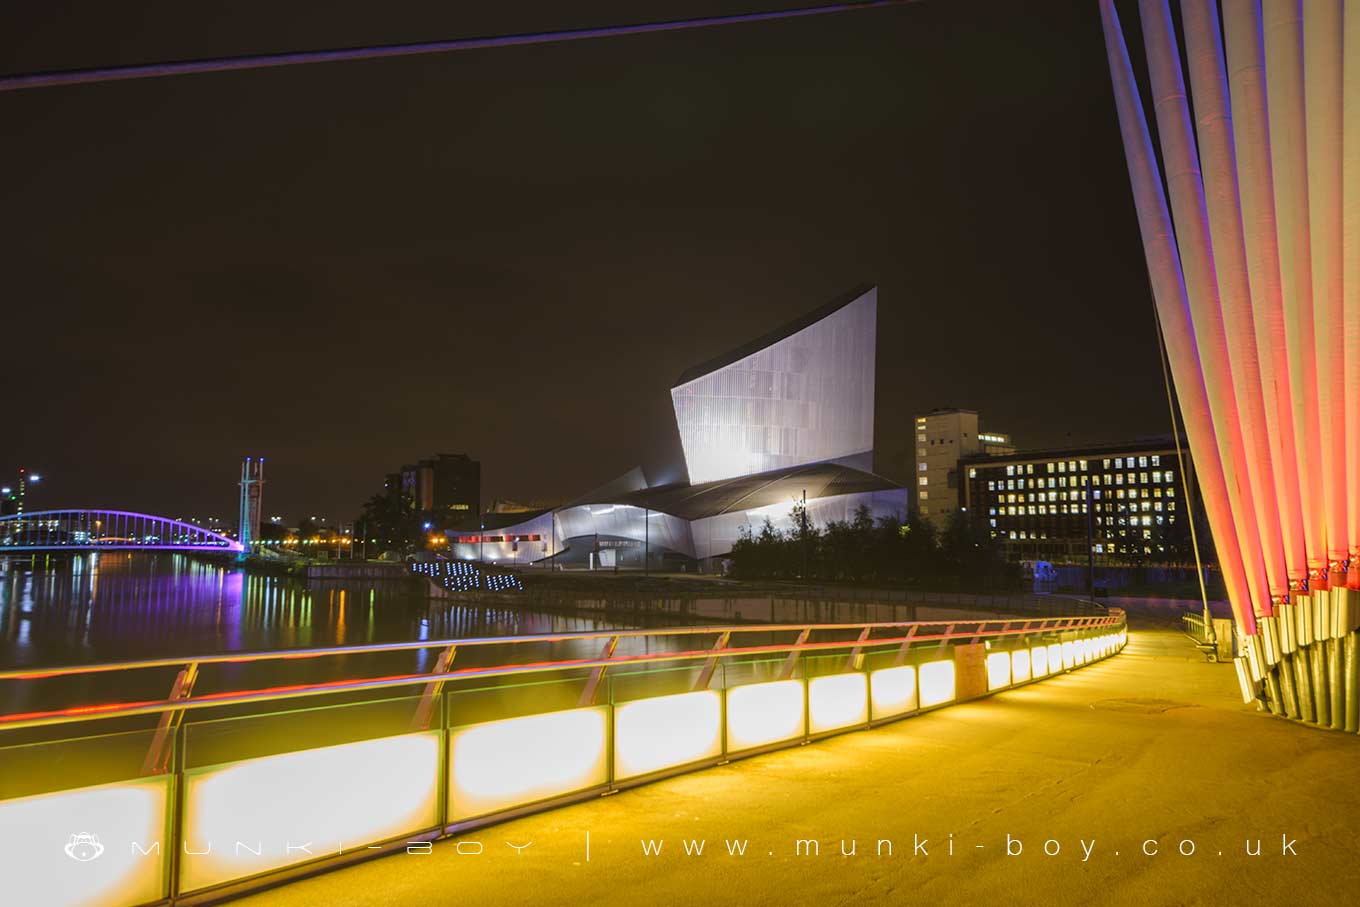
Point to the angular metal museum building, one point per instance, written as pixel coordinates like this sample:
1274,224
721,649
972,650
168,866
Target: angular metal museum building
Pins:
785,418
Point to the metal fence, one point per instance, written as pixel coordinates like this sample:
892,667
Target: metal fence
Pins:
223,785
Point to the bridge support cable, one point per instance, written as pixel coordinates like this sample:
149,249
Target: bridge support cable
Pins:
298,58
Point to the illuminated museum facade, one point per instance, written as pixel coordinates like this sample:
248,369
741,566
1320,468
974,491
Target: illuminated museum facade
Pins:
786,417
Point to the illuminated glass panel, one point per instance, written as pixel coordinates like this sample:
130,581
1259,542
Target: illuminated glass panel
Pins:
764,713
837,701
892,691
508,763
90,847
261,814
937,682
1020,666
1038,660
1055,658
655,734
998,670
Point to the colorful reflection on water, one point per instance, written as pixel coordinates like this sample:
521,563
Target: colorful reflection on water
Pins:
117,607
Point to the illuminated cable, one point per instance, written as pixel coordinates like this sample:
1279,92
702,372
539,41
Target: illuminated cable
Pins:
295,58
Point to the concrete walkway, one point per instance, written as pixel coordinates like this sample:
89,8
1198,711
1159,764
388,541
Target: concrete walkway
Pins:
1151,746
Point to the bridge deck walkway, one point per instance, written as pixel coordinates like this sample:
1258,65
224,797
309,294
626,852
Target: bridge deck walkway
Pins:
1154,744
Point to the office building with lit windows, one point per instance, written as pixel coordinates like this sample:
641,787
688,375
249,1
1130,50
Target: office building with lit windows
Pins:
785,419
943,438
1129,499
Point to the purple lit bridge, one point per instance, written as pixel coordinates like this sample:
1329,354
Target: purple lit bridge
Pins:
105,530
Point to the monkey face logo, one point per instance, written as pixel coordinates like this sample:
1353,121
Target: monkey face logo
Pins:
84,847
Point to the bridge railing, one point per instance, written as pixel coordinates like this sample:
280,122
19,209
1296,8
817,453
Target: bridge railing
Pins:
110,530
199,794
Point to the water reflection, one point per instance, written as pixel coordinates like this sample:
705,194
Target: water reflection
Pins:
120,606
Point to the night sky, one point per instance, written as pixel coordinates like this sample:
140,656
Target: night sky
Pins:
514,253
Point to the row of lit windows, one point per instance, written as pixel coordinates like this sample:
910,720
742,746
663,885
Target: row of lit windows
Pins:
1103,547
1120,494
1157,477
1073,510
1066,466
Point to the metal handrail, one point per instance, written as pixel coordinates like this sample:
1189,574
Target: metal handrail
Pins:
971,630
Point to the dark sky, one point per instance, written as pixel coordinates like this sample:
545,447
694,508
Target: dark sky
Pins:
515,252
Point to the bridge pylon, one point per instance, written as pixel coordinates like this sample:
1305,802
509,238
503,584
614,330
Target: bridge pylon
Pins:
252,494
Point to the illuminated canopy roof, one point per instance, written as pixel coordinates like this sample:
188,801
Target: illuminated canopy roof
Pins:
781,486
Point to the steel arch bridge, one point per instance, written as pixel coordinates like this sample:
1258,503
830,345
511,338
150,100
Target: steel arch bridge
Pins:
105,530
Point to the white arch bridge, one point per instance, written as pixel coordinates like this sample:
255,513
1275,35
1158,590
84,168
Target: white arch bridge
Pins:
105,530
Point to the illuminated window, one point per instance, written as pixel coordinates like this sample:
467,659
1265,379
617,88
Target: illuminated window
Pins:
1142,476
924,481
1010,470
924,495
1156,460
1142,461
1119,463
921,467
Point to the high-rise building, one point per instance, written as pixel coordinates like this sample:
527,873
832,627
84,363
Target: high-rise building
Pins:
445,489
943,438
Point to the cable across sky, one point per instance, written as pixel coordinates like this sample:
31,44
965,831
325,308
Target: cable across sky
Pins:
297,58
